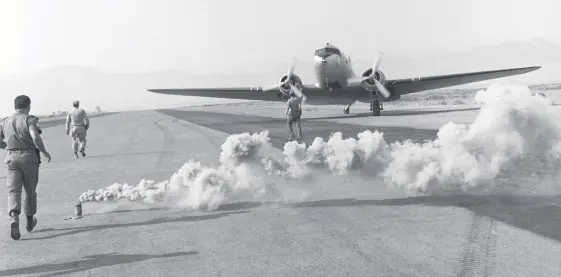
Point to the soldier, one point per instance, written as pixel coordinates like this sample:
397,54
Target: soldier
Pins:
20,136
293,114
80,123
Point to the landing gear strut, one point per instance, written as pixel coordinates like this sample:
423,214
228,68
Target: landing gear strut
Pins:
376,106
347,109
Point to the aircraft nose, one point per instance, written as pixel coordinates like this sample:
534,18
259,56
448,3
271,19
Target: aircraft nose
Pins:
321,60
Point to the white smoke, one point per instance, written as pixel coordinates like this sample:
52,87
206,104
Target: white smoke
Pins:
341,155
512,127
513,123
247,167
242,169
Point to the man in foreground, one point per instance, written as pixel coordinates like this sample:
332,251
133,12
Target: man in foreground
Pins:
293,114
77,125
20,136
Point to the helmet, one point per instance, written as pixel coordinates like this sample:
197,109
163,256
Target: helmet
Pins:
76,103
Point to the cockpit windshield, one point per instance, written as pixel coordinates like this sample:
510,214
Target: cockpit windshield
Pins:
327,51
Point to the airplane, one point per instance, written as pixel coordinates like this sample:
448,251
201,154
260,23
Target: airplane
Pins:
337,83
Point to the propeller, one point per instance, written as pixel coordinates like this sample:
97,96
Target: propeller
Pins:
383,90
295,89
288,77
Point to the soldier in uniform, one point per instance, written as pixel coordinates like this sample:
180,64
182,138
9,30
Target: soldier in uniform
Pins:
20,136
77,125
293,114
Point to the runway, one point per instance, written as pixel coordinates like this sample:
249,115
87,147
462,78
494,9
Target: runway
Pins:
357,227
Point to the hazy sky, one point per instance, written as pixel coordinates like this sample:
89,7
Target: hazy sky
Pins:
211,36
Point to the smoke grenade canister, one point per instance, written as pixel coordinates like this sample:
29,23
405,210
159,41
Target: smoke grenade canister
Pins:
78,209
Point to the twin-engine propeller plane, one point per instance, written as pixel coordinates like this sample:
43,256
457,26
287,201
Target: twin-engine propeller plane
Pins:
337,83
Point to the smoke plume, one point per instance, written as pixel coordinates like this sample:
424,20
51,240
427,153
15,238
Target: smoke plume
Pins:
513,129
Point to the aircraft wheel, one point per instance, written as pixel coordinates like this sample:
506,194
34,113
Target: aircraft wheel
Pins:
346,111
376,109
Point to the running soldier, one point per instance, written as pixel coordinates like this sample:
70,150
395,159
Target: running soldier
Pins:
77,125
20,136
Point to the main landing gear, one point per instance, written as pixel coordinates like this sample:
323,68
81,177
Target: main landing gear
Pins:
376,106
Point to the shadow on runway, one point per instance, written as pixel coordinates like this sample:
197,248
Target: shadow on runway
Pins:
278,133
78,230
392,113
216,119
538,214
88,263
158,209
127,154
241,206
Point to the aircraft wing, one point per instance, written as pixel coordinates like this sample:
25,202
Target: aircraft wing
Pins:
406,86
243,93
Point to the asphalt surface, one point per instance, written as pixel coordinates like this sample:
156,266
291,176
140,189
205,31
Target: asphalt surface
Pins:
533,212
348,227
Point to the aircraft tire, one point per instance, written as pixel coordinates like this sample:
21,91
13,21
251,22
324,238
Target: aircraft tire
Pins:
376,109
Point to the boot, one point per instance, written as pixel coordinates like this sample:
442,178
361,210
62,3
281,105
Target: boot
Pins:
31,223
14,227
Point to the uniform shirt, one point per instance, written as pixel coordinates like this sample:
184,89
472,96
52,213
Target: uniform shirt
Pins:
294,105
77,117
14,130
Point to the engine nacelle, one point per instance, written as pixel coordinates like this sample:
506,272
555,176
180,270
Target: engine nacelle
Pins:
369,84
294,80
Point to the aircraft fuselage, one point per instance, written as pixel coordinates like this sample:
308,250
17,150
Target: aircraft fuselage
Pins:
332,67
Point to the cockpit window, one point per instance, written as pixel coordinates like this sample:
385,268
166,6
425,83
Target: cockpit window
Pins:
326,52
333,51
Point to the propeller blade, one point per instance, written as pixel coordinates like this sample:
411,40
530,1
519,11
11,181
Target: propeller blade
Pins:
299,93
383,90
291,69
296,90
377,62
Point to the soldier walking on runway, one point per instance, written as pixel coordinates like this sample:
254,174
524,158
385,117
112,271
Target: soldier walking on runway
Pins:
77,125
